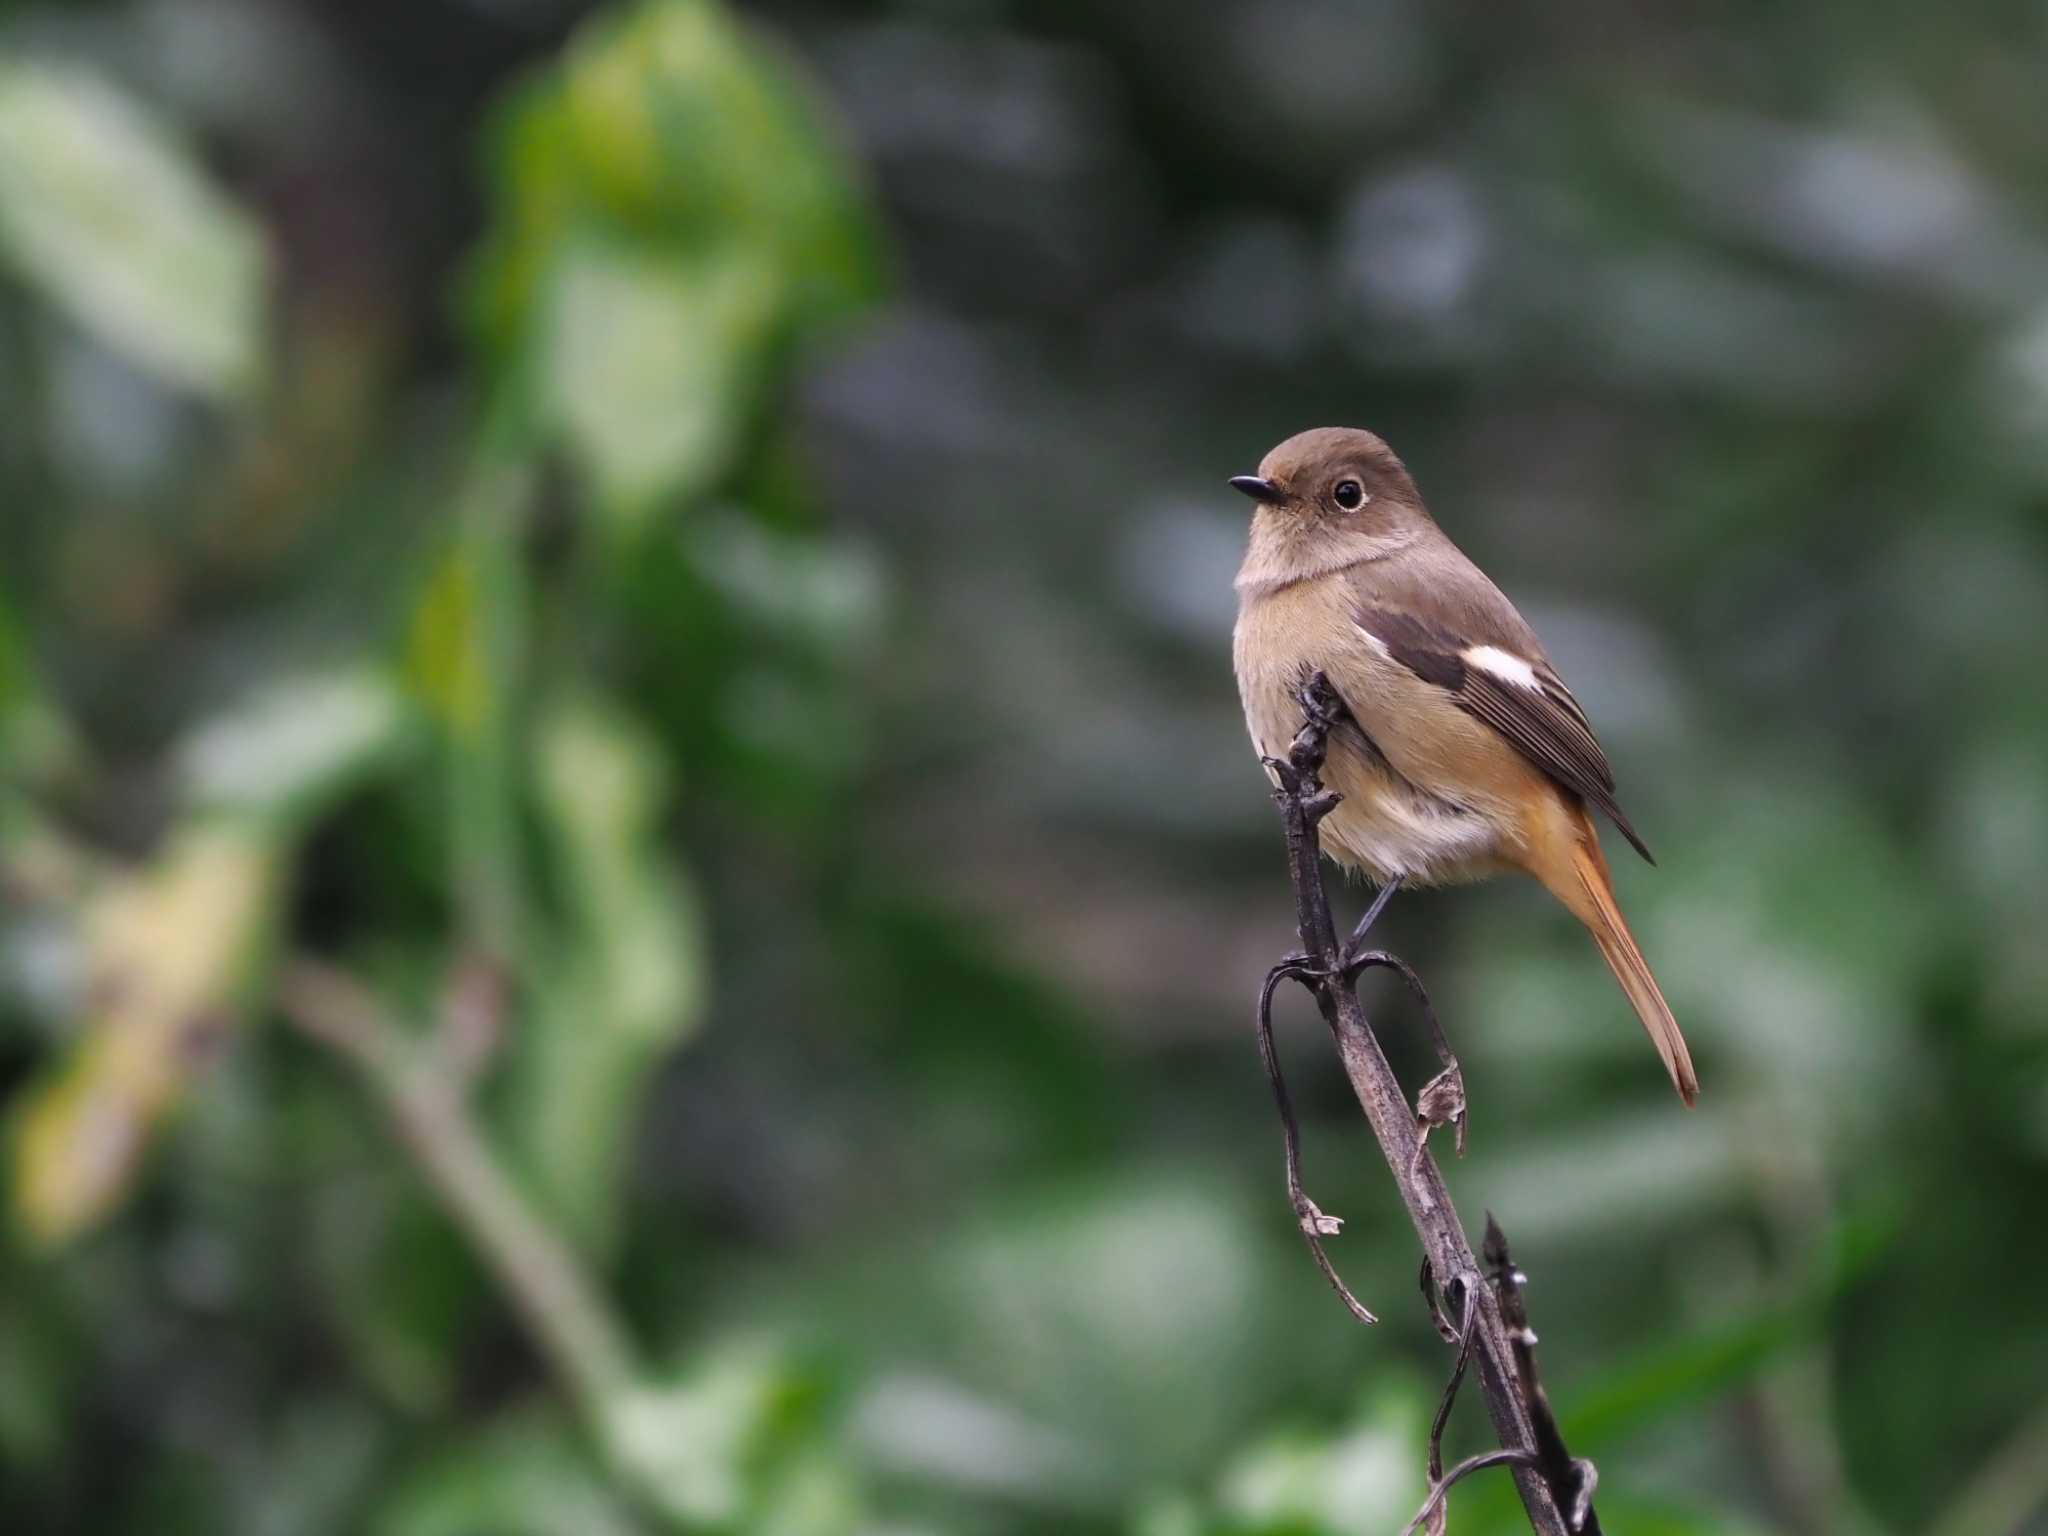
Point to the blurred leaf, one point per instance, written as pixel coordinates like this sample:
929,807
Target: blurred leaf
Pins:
669,211
649,363
14,664
1710,1360
626,986
526,1475
41,1380
466,660
170,945
732,1444
829,593
295,745
1491,1509
35,737
101,209
307,1471
446,665
715,1445
1366,1479
1044,1303
815,1492
1610,1169
672,86
603,780
402,1287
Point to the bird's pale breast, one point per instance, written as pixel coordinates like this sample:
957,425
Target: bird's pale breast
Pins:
1411,808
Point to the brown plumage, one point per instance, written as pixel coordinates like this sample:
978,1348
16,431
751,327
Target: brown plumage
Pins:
1465,755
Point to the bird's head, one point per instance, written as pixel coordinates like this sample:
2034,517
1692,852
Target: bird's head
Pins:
1328,498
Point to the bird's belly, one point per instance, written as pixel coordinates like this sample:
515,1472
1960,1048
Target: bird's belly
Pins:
1390,830
1385,827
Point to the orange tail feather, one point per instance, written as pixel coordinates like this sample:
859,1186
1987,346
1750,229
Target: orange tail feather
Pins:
1588,891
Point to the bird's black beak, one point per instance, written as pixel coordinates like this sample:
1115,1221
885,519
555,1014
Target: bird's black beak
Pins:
1257,489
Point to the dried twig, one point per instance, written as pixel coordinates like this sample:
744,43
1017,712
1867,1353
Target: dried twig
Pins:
1556,1493
1459,1473
1442,1100
1315,1224
1467,1289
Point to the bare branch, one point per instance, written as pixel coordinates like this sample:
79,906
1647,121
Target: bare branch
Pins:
1556,1492
469,1026
562,1308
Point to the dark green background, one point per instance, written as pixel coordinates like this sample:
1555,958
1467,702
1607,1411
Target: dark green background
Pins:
685,552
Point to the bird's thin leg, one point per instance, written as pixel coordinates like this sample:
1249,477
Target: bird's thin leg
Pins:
1379,905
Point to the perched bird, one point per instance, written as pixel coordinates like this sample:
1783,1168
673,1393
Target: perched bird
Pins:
1464,754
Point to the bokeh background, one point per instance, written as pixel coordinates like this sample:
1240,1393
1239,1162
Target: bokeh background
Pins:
631,882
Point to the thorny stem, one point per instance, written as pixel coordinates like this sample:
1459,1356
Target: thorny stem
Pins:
1557,1498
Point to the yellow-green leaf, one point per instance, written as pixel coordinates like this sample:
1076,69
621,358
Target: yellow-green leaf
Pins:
170,946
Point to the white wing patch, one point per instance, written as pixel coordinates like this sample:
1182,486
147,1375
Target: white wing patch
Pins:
1505,665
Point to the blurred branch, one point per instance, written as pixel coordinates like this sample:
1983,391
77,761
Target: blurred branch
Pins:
1556,1491
2010,1489
563,1310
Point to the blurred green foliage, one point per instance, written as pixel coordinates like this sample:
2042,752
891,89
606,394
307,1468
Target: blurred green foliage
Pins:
105,213
630,881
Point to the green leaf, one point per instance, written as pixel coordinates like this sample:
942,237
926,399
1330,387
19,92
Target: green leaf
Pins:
731,1442
670,211
625,985
171,945
400,1286
292,747
101,209
604,781
466,659
527,1475
44,1350
1366,1479
650,362
1709,1361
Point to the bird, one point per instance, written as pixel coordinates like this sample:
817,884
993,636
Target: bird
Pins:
1461,754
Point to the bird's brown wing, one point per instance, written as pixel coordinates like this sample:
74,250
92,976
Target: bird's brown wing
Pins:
1544,722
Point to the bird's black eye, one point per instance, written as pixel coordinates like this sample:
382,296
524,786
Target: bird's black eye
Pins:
1349,493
